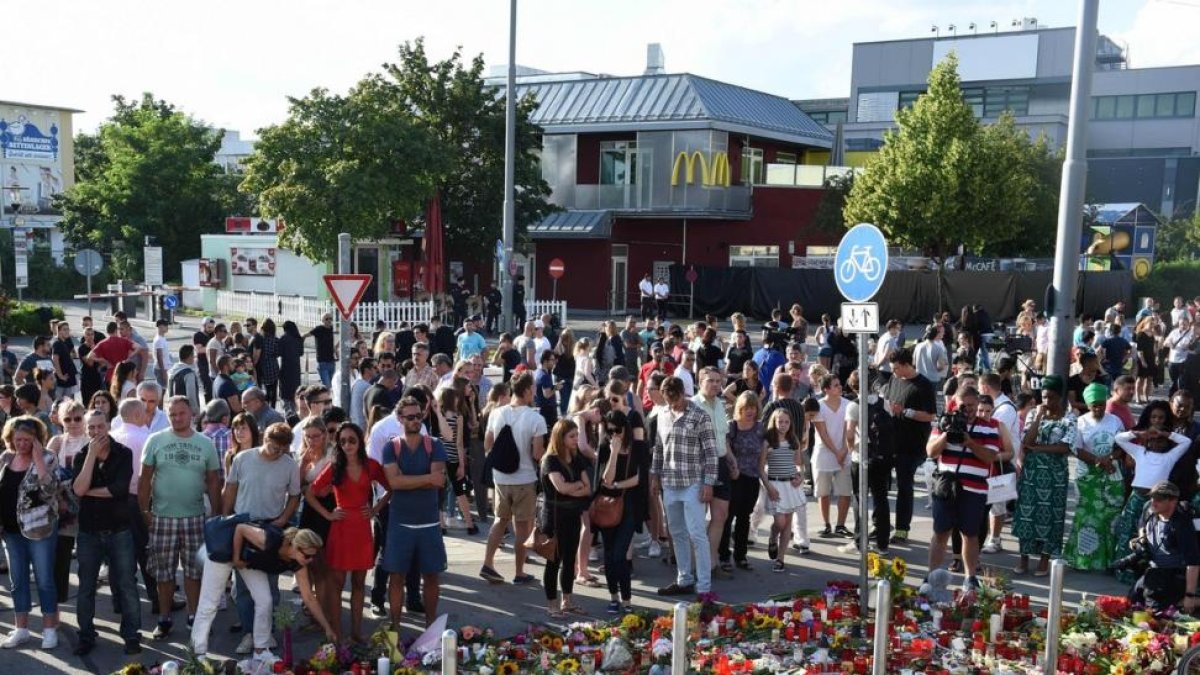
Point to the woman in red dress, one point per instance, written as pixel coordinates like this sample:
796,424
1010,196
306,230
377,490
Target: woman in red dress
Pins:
350,547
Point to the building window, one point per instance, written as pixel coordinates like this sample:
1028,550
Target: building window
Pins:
754,256
753,170
828,116
974,99
908,98
1144,106
999,99
785,158
618,162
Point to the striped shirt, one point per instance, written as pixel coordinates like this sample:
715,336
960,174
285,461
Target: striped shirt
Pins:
972,472
781,462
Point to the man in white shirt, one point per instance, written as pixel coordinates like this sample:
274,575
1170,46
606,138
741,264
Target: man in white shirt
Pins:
646,291
1179,311
515,493
889,342
684,373
1004,411
133,434
1179,343
154,419
662,291
832,461
162,352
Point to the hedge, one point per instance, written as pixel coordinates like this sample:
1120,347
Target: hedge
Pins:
24,318
1167,280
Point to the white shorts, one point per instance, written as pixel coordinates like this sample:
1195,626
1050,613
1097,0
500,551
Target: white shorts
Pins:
834,483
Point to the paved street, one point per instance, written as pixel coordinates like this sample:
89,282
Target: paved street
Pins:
507,608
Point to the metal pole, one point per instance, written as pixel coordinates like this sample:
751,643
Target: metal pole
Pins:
883,612
1070,201
863,528
344,325
89,286
679,629
510,150
1058,570
449,652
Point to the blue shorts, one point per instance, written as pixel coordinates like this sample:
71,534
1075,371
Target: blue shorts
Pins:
414,548
964,514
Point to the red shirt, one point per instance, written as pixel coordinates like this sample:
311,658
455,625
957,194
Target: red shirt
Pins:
114,349
1122,412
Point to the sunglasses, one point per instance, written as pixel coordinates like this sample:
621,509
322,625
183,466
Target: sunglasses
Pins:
410,418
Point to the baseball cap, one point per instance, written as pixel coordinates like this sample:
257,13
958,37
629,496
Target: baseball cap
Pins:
208,320
656,346
538,324
476,318
1164,488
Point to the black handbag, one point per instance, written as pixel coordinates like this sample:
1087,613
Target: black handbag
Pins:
945,484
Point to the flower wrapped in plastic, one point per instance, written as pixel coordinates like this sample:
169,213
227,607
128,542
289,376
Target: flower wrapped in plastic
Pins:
618,656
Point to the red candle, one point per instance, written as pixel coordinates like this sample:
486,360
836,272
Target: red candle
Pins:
818,628
802,633
790,633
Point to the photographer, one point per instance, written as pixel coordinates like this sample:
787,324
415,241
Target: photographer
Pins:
1167,543
964,446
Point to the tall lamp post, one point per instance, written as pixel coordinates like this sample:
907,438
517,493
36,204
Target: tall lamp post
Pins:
507,284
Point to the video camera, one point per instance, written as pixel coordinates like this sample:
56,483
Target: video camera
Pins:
954,426
776,335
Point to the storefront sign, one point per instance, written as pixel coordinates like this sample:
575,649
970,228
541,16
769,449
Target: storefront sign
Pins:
22,139
243,225
258,262
714,170
210,272
407,278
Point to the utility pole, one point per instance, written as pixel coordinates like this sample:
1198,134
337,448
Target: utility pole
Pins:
1070,199
343,383
507,283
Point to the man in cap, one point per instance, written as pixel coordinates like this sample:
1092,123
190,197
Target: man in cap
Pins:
200,342
1167,541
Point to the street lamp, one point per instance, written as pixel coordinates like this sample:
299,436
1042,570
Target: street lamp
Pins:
936,31
973,28
995,27
953,29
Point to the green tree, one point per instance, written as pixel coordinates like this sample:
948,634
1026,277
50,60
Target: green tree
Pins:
828,217
352,163
1178,238
450,98
148,171
942,179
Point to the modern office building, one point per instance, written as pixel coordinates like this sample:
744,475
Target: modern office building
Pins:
1143,139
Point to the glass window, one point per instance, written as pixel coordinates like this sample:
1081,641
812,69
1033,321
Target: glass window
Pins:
974,99
785,158
1185,104
908,98
835,116
618,163
1145,106
1125,107
1164,105
1106,107
753,171
753,256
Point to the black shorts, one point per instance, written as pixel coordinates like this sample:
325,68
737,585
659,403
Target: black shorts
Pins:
965,514
723,488
461,487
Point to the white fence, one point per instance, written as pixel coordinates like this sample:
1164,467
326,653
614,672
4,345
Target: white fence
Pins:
307,311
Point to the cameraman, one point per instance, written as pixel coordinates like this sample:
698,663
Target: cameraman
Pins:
964,446
1167,542
769,357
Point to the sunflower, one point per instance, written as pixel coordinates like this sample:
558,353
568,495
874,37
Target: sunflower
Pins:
556,644
633,622
899,568
546,641
874,565
507,668
567,666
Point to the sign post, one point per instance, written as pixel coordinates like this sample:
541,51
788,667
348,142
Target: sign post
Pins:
88,263
691,277
347,289
557,270
21,259
859,269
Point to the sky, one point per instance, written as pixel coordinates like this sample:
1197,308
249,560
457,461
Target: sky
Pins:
233,64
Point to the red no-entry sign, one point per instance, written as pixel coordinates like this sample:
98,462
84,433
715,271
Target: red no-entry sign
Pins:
557,268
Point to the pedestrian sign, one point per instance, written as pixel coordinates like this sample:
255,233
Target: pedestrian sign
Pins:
861,263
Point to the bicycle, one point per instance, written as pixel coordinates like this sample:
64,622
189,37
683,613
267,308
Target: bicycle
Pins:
861,261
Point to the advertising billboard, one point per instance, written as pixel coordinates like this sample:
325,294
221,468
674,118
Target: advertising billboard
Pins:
254,262
35,159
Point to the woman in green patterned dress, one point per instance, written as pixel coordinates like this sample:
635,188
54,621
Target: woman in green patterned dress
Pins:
1101,488
1042,489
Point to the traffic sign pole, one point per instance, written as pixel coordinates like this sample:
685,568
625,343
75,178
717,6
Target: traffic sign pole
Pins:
859,269
344,323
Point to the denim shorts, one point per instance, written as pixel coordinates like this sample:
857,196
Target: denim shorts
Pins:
419,549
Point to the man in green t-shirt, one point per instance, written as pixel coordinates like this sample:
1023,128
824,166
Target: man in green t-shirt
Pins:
178,466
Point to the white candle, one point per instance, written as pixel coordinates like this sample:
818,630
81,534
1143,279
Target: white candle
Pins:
937,619
384,666
824,615
996,625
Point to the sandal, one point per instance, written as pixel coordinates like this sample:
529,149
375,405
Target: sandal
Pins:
589,581
743,565
726,566
554,613
574,609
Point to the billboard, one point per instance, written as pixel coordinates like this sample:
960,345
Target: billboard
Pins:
253,262
35,159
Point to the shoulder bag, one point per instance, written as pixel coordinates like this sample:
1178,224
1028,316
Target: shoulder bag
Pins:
945,484
1002,487
608,510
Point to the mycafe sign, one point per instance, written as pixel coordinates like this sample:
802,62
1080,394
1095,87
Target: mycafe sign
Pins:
714,169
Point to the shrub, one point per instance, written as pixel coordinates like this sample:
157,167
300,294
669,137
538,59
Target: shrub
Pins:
1166,280
26,318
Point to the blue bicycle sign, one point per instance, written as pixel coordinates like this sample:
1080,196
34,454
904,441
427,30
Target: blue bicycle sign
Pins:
861,263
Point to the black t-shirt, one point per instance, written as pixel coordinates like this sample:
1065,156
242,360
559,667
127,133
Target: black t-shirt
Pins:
511,358
90,377
633,463
99,514
443,341
267,558
200,342
65,351
323,336
736,358
226,388
579,468
10,490
1076,384
35,360
376,394
709,355
404,344
916,393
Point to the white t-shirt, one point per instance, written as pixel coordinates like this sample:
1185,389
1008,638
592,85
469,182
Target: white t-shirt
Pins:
646,288
689,382
1097,437
661,291
852,418
133,437
526,423
160,345
1179,343
1178,314
835,427
1151,467
887,343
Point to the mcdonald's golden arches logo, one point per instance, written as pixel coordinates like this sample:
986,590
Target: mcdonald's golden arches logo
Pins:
714,170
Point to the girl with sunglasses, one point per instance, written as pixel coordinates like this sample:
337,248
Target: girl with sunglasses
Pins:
65,446
624,460
257,553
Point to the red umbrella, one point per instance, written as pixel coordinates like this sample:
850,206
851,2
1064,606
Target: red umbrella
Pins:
433,278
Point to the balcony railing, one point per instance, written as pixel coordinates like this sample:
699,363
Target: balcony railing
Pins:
683,200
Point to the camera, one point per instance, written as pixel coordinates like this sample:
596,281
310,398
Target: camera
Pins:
954,426
1137,561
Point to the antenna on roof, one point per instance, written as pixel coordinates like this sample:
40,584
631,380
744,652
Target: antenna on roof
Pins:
655,62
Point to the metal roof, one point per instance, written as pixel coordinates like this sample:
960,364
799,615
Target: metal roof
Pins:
1124,213
669,102
573,225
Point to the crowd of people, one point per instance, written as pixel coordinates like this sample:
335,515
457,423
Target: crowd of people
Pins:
650,440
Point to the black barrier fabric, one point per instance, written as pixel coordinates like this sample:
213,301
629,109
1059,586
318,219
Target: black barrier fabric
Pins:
911,296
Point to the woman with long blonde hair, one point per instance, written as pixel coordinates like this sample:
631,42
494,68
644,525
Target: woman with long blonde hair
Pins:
567,488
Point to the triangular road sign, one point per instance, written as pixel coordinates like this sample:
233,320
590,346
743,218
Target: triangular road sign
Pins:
347,290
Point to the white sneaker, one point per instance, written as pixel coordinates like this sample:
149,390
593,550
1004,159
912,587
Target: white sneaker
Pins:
992,545
49,638
16,638
246,645
655,550
266,657
102,577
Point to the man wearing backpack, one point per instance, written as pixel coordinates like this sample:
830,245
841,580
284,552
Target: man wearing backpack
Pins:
184,379
912,401
517,428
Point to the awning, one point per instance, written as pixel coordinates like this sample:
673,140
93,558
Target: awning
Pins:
573,224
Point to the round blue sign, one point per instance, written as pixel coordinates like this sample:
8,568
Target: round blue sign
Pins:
170,301
861,263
